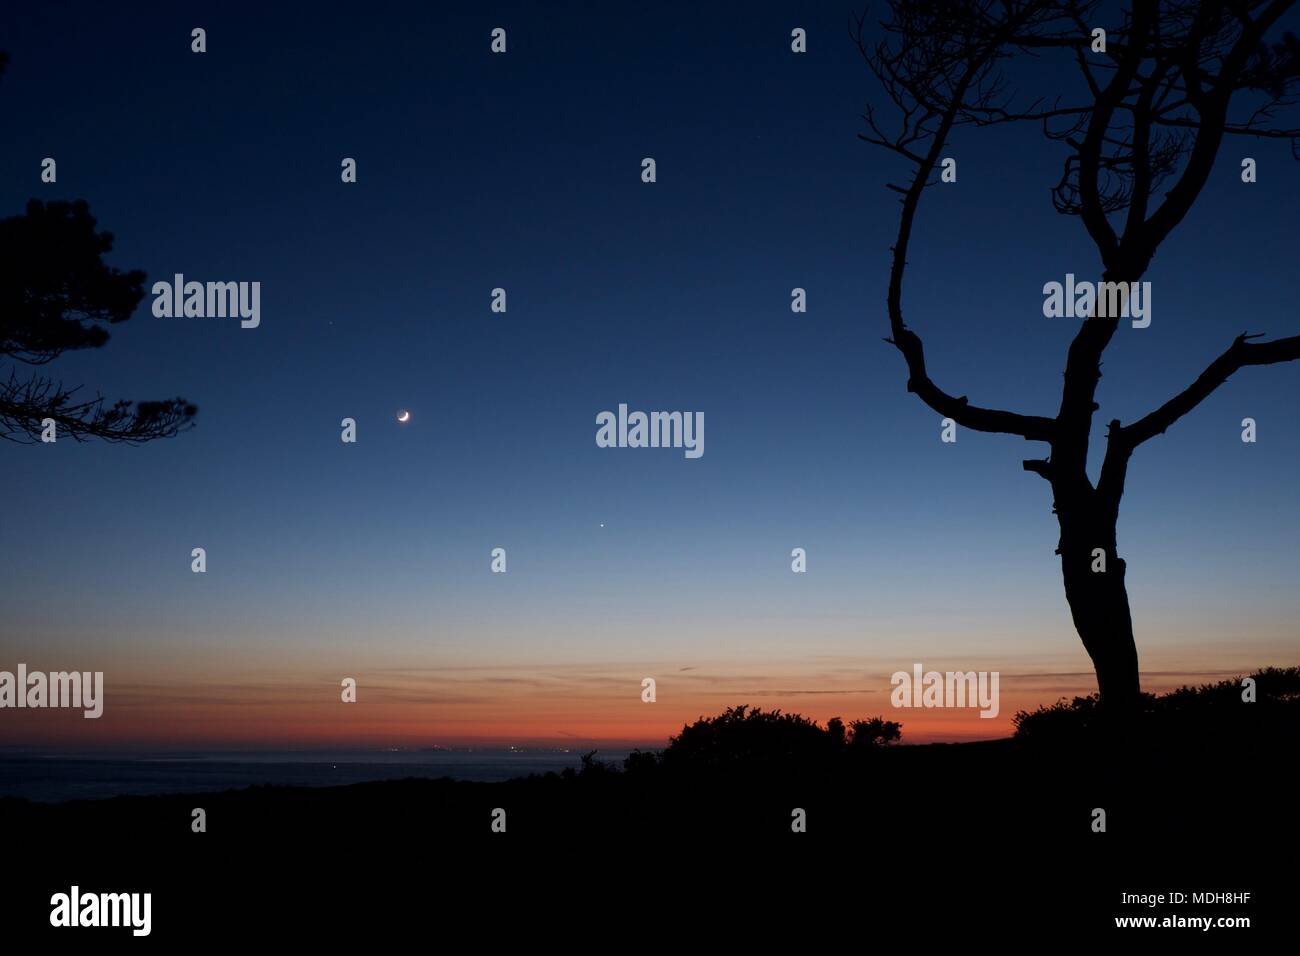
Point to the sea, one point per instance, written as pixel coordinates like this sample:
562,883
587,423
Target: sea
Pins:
67,776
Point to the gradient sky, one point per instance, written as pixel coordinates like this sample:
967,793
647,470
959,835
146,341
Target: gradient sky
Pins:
371,560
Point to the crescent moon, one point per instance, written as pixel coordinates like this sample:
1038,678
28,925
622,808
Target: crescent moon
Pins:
404,417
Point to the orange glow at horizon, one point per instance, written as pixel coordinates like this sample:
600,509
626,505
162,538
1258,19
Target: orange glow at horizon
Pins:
497,706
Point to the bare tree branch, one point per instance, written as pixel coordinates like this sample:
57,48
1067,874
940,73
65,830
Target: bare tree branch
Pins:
932,79
1238,355
26,404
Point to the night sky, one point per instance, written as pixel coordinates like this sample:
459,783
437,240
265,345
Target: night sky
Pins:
523,171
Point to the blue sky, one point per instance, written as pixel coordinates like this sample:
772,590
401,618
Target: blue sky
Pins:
522,171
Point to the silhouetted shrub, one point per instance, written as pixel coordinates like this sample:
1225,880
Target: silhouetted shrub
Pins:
875,732
641,762
591,767
751,737
1202,713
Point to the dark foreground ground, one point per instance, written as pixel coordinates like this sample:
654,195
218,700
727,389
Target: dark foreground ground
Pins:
989,843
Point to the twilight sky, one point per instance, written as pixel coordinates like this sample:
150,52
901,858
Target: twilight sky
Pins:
371,560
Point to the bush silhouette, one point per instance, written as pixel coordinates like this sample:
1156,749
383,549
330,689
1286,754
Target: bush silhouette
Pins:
1198,714
875,732
743,737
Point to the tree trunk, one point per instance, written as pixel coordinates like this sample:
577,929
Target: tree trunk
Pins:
1099,601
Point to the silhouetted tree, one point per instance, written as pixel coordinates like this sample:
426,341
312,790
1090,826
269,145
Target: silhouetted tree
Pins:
56,295
875,732
641,762
591,767
1177,78
835,730
751,737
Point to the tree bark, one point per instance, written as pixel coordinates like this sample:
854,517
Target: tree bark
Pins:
1098,599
